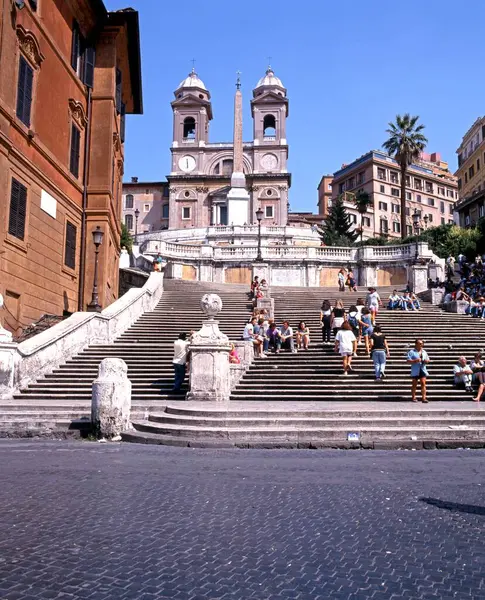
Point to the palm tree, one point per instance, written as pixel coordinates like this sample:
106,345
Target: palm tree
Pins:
405,144
362,201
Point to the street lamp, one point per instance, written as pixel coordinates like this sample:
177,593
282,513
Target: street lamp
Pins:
137,214
259,216
426,219
94,305
416,219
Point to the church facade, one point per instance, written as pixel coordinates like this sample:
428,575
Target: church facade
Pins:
203,174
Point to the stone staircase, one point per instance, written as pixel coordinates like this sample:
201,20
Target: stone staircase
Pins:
287,400
60,403
304,400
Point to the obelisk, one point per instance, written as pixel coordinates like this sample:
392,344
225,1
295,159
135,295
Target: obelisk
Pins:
238,196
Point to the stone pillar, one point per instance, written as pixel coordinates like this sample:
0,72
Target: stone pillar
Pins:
261,270
368,275
419,278
9,363
210,378
111,399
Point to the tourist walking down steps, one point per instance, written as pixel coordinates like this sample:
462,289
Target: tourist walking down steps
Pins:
418,358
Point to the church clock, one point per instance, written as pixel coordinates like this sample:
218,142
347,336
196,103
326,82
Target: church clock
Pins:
187,163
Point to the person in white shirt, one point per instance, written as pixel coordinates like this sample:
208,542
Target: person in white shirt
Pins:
250,336
180,360
346,345
287,340
373,302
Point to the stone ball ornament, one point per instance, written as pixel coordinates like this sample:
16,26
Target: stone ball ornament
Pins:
211,305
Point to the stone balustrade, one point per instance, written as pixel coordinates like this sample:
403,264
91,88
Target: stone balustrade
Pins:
21,364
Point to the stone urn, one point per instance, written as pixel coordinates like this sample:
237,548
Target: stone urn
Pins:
211,305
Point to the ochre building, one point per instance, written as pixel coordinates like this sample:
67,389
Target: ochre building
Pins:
69,73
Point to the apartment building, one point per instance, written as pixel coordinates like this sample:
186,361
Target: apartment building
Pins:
145,205
325,194
471,175
431,190
69,72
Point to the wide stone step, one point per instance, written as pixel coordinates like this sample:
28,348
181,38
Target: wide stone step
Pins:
317,422
370,432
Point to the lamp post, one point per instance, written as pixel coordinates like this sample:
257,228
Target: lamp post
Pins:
259,216
94,305
137,214
426,219
416,219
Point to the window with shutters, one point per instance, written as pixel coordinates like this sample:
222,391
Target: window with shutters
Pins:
75,149
118,91
18,210
165,211
129,222
70,246
89,59
76,48
122,123
24,91
129,201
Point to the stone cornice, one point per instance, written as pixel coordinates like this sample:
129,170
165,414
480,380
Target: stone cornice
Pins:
78,113
30,46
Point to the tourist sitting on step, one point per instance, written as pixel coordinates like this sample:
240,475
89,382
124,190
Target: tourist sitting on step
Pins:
394,301
366,328
407,302
338,316
463,372
302,336
254,287
234,356
346,346
250,336
415,301
287,338
326,321
273,336
478,367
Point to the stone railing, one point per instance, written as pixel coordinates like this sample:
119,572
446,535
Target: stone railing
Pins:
404,253
21,364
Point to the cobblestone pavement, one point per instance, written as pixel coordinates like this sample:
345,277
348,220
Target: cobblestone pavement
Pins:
85,520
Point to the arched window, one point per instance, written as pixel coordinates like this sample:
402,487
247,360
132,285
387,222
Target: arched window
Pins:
129,222
129,201
227,167
269,126
189,128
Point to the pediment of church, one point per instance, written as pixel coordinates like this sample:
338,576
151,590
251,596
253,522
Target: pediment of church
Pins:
221,192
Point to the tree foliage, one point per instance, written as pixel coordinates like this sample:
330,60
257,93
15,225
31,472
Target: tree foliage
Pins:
126,239
362,201
405,143
338,229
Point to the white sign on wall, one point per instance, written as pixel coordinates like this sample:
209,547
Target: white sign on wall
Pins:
48,204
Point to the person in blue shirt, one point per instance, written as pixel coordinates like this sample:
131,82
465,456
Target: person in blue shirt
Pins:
418,358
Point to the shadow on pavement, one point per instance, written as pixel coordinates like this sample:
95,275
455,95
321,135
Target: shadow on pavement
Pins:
455,507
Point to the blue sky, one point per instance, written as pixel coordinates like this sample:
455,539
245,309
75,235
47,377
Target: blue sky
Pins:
349,67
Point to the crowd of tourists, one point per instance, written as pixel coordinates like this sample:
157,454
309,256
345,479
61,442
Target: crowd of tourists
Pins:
347,329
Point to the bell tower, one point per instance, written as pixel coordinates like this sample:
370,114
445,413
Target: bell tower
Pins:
269,108
192,112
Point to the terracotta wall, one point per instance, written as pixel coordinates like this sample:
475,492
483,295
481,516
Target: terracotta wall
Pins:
392,276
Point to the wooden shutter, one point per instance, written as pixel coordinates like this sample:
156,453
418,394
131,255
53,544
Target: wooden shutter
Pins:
75,47
122,123
89,62
24,91
75,145
118,91
70,248
18,210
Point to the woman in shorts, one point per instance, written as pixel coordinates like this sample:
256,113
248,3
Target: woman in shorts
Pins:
373,302
366,327
346,346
